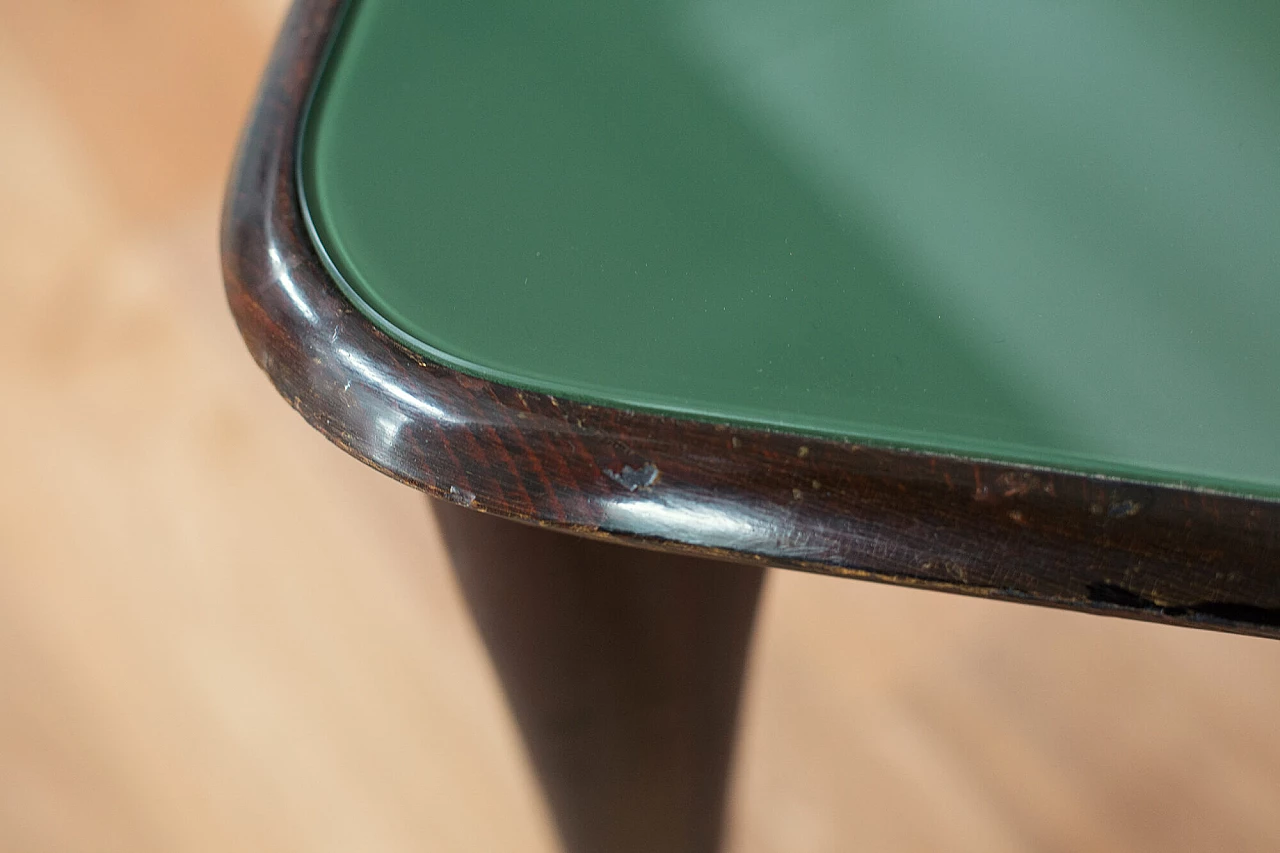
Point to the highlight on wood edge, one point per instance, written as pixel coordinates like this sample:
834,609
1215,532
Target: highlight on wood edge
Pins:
1013,532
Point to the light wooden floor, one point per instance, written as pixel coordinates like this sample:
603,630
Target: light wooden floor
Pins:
219,633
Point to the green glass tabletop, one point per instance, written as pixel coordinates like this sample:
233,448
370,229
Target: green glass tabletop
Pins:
1040,232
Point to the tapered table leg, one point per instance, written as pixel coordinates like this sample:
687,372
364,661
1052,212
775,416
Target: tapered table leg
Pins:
623,668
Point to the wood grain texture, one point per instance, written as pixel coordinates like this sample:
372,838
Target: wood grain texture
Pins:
1010,532
217,633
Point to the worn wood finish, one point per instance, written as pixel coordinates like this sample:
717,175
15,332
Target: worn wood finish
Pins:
623,669
1013,532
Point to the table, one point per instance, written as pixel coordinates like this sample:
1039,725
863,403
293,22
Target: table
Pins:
979,300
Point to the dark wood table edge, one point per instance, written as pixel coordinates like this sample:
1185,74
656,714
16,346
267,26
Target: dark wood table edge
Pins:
1104,545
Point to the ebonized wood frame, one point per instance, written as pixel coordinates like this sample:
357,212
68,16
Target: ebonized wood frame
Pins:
1104,545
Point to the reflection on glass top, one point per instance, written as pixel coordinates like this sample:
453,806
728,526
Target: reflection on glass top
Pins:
1014,229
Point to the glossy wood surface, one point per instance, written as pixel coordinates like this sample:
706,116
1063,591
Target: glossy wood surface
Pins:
623,668
218,633
1017,533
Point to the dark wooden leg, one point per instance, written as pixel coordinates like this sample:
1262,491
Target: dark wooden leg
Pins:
623,668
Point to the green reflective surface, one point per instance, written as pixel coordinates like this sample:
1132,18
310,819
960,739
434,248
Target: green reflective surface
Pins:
1005,228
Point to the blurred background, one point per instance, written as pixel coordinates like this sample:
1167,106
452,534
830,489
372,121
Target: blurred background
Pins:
217,632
